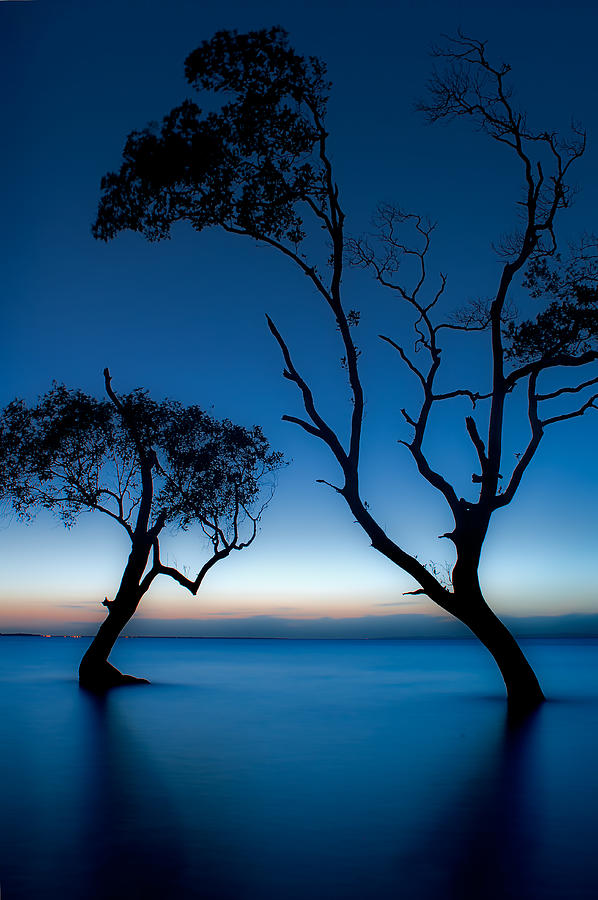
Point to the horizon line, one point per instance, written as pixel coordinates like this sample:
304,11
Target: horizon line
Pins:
227,637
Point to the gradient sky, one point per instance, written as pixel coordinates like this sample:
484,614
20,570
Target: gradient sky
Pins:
185,318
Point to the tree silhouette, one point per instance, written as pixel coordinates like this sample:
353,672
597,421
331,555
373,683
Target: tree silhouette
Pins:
146,465
260,165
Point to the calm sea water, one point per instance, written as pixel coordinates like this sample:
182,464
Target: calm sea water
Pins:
278,770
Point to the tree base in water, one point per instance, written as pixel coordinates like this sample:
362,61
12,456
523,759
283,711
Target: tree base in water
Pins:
520,708
103,676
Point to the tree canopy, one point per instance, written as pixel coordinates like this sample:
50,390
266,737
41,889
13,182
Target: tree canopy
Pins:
244,166
73,452
145,464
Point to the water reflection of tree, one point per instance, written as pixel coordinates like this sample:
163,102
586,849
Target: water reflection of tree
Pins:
128,843
482,844
132,841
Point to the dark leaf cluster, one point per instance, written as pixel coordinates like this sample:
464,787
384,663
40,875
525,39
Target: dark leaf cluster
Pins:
214,471
245,166
57,449
569,321
71,452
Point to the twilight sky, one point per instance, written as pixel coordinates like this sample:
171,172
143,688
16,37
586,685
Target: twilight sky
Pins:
185,318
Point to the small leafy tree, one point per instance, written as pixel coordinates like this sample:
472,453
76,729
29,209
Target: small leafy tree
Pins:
260,166
146,465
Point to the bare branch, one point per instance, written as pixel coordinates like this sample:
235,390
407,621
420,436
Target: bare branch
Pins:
537,431
308,270
243,544
434,478
192,585
567,390
333,486
116,518
475,316
321,429
405,358
565,360
303,424
474,396
477,442
409,420
589,404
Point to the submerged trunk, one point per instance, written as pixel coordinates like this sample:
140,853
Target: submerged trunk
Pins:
95,672
466,601
523,689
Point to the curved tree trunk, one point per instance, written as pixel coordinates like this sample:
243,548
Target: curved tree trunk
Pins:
523,689
95,672
466,602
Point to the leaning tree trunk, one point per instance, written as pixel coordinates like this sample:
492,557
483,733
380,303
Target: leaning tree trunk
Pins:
523,689
95,672
466,601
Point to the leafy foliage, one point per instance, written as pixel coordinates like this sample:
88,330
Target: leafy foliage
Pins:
213,470
244,166
59,447
71,452
569,323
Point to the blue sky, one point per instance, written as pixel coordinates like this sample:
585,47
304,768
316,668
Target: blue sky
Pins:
185,318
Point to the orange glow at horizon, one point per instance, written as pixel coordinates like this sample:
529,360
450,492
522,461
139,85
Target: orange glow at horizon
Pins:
83,614
17,612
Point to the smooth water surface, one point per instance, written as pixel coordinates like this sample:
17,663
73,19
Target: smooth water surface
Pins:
278,770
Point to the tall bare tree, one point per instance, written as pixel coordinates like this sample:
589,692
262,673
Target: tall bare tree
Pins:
145,465
261,166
